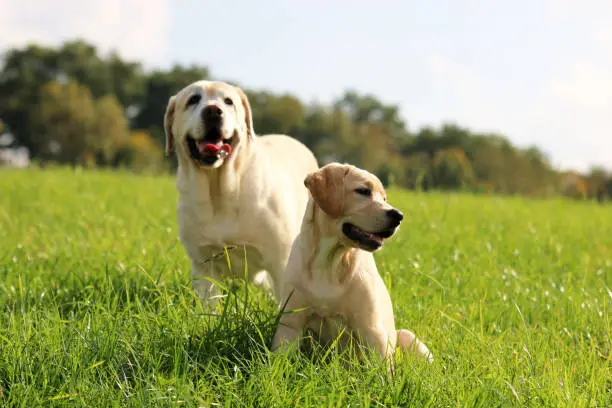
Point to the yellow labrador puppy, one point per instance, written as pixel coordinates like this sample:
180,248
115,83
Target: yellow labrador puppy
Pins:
239,193
331,276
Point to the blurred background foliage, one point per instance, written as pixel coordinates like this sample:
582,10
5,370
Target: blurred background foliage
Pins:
71,105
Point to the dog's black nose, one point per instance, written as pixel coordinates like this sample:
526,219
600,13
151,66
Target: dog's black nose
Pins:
212,113
395,215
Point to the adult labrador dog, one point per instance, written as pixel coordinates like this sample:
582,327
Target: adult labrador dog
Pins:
332,279
241,196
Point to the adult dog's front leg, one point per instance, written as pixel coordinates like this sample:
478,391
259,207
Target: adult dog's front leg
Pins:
276,264
202,277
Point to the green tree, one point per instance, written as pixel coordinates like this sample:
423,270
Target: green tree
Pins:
277,113
367,109
80,61
129,105
453,136
25,70
328,132
64,123
451,169
597,180
419,173
140,153
377,131
425,141
111,129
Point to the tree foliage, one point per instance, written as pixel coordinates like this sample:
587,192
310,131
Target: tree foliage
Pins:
111,129
73,105
64,123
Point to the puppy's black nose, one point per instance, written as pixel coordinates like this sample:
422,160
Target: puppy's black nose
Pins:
395,215
212,113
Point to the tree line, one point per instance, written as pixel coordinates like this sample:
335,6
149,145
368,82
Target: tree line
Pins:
72,105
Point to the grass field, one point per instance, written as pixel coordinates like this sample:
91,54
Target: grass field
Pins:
512,296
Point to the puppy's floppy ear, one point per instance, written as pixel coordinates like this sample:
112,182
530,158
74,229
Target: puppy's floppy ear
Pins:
168,121
326,186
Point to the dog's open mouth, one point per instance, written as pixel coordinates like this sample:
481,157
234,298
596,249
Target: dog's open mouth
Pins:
210,149
369,241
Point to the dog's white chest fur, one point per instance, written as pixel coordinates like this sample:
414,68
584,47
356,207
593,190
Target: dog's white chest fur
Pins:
322,289
320,284
324,298
206,236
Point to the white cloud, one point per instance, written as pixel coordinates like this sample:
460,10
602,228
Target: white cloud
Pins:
136,28
575,106
603,36
587,85
576,8
471,104
569,117
574,114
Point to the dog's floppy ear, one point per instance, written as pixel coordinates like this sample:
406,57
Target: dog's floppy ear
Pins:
168,120
248,116
326,186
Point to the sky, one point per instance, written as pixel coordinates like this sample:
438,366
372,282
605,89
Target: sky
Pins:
539,72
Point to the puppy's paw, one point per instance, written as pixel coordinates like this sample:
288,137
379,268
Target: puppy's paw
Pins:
407,341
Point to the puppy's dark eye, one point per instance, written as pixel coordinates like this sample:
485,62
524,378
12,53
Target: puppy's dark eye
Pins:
228,101
364,191
194,100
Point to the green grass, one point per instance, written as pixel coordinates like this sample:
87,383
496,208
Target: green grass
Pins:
513,297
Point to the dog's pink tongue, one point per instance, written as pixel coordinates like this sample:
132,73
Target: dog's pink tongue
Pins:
207,148
213,148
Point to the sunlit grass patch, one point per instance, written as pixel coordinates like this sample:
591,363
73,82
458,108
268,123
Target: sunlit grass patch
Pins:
512,296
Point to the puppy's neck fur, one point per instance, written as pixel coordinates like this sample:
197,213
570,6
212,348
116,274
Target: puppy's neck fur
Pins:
331,260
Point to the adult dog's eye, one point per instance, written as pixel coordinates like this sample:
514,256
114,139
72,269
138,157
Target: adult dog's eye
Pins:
228,101
364,191
194,99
